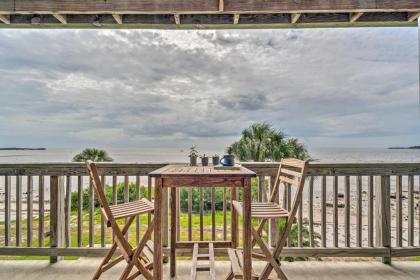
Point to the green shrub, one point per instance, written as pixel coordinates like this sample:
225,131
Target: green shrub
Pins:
294,237
109,195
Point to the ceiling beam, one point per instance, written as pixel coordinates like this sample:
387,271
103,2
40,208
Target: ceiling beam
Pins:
5,19
413,16
204,6
295,17
177,19
118,18
221,5
61,18
355,16
236,18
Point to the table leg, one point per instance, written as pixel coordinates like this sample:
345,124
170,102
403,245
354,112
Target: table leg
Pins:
247,228
174,211
234,219
158,260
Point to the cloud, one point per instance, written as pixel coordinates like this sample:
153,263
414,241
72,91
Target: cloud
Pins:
99,135
177,88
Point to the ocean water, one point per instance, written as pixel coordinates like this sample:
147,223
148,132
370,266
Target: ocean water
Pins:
333,155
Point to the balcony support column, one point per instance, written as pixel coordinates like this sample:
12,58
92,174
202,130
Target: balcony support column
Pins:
383,214
56,215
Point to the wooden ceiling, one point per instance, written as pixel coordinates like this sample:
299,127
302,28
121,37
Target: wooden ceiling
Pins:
197,14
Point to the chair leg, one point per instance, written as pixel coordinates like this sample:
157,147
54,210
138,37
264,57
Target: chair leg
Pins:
230,276
135,258
111,252
105,261
272,261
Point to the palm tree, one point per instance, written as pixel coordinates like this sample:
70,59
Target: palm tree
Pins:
260,142
92,154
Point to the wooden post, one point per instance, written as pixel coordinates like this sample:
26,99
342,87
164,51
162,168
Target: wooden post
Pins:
234,219
247,262
165,207
8,195
157,256
383,214
174,211
56,214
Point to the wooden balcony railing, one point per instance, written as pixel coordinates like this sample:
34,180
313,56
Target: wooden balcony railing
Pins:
349,210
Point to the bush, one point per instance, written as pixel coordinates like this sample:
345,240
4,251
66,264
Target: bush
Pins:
109,195
294,237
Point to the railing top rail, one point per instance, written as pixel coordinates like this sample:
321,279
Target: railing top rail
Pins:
261,168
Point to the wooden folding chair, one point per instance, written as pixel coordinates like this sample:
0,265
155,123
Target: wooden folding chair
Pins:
140,257
290,172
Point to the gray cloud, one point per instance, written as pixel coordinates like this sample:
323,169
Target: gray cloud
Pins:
330,87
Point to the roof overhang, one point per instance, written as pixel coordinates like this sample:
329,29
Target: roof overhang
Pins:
198,14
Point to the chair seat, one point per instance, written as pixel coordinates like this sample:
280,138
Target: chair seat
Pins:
130,209
265,210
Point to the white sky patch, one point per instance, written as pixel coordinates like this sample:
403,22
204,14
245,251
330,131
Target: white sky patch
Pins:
99,135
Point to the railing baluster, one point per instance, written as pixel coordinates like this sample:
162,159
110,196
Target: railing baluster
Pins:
410,210
418,206
126,196
324,211
224,214
335,211
234,218
7,221
91,213
359,211
138,217
260,187
115,196
201,215
79,211
300,229
347,210
67,212
103,233
29,211
398,220
41,208
190,214
18,211
274,228
311,211
213,213
178,214
370,210
149,197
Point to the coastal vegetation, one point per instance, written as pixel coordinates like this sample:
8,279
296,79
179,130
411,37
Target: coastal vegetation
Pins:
22,149
401,148
93,154
261,142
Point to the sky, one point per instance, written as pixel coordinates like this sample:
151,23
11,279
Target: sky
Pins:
153,88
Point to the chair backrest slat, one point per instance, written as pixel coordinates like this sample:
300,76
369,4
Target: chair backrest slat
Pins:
291,171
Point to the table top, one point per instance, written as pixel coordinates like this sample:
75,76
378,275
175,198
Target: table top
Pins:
179,170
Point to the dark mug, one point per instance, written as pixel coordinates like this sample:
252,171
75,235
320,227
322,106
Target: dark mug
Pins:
227,160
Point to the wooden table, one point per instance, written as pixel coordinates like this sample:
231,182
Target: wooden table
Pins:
173,176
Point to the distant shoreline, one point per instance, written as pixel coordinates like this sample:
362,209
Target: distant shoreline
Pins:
405,148
23,149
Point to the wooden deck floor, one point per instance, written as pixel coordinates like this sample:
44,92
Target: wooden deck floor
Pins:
85,267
